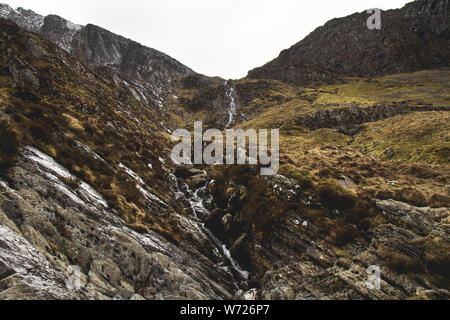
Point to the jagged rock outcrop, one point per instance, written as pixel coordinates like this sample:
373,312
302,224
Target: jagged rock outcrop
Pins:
415,37
323,272
297,73
26,19
348,120
306,256
59,31
98,47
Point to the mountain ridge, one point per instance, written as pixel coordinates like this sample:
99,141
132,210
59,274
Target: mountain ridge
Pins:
151,71
413,38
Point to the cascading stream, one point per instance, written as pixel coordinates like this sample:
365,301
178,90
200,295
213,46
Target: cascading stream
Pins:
232,106
197,199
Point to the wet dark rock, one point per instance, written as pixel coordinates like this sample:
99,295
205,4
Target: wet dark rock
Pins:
215,222
237,245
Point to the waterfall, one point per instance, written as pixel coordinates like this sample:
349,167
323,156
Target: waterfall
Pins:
197,199
232,107
223,248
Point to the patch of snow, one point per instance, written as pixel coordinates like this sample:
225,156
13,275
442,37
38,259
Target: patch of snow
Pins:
89,151
93,194
47,162
68,193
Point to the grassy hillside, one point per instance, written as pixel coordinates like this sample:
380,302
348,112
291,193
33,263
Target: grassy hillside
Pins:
400,156
418,137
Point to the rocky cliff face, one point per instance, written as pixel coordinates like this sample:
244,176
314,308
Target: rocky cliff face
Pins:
49,230
26,19
415,37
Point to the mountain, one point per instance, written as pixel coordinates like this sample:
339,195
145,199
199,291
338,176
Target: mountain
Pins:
416,37
145,72
93,207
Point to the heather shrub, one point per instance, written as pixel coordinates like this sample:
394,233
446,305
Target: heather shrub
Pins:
439,201
436,257
334,196
9,147
39,132
412,196
342,235
400,262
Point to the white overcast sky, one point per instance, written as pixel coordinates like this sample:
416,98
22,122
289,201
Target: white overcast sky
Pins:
224,38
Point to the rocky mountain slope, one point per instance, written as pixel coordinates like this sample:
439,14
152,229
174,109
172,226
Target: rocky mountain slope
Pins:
416,37
97,172
145,72
87,186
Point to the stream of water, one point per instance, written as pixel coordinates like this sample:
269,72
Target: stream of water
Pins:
197,200
232,107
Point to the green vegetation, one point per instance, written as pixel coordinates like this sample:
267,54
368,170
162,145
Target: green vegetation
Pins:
419,137
276,104
419,87
403,157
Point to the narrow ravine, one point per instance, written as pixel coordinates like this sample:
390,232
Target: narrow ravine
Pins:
199,201
226,253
